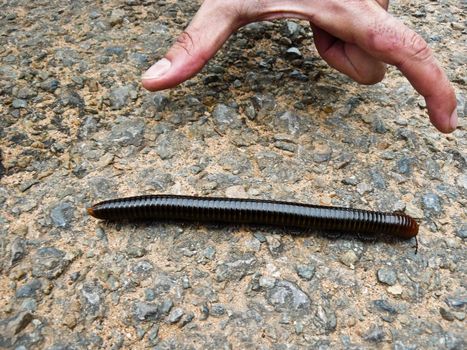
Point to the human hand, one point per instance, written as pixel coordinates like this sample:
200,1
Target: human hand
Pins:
355,37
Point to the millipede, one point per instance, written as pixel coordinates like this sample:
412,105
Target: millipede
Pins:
256,212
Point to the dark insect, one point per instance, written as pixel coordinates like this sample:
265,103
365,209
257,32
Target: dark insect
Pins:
257,212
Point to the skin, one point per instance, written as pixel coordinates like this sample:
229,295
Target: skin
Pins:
356,37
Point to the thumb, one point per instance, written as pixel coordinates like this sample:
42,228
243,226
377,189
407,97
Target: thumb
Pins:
205,35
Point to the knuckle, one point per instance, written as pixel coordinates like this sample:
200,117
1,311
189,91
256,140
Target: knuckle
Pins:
185,42
418,47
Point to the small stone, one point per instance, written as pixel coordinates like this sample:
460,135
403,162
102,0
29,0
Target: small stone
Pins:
349,258
146,311
119,96
322,152
62,214
461,231
375,334
305,272
432,203
128,131
116,17
237,191
26,93
29,290
166,306
187,319
175,315
226,117
446,314
17,250
49,262
19,103
387,275
287,297
236,268
414,211
395,290
217,310
149,294
363,188
50,85
404,166
267,282
293,53
11,326
383,305
209,253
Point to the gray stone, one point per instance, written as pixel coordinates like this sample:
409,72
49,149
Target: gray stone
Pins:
293,53
226,117
305,272
50,85
29,290
387,275
160,101
116,17
142,269
446,314
26,93
62,214
217,310
175,315
17,250
19,103
404,166
384,305
128,131
432,203
119,96
146,311
236,268
9,327
49,262
325,318
348,258
70,98
286,296
375,334
461,231
291,123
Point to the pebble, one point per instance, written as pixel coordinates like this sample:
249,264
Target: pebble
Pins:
305,272
217,310
387,276
62,214
175,315
349,258
286,296
116,17
120,96
226,118
49,262
432,203
17,250
19,103
128,131
395,289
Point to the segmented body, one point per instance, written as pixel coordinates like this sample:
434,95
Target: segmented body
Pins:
258,212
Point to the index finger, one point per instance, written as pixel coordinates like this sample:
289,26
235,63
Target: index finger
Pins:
389,40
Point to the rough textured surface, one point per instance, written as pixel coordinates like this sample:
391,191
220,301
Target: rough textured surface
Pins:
265,119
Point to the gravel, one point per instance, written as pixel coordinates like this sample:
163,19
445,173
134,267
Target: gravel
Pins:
266,118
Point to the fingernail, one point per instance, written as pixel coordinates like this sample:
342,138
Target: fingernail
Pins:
453,120
157,70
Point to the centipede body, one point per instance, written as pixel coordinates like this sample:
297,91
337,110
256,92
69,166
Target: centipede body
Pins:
254,211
